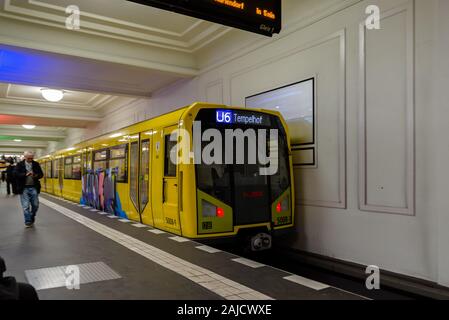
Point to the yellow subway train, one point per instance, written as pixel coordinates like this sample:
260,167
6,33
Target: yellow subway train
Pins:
183,172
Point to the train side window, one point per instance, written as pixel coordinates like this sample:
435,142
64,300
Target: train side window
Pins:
169,167
134,172
68,167
55,169
118,152
101,160
144,180
76,168
119,160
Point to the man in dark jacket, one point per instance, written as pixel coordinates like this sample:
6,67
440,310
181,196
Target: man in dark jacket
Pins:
27,174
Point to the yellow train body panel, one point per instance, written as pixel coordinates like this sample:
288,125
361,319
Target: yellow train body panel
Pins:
130,164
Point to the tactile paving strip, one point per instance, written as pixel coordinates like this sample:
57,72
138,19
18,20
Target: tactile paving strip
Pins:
212,281
56,277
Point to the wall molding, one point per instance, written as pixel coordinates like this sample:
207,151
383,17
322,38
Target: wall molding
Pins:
212,84
320,14
342,159
409,210
187,41
50,112
118,21
132,104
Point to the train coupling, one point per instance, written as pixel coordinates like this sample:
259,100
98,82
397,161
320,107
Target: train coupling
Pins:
260,242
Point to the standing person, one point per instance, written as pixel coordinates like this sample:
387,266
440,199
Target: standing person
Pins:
3,176
27,174
10,183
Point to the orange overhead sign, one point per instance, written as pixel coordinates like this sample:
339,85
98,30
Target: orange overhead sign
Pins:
259,16
232,3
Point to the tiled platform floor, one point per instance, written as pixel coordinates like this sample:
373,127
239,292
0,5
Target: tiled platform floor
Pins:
152,264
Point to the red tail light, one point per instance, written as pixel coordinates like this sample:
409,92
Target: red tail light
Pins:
283,205
220,213
253,194
279,207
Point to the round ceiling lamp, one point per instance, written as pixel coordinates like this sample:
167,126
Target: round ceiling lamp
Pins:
52,95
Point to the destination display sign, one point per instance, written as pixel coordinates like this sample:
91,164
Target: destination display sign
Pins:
258,16
241,117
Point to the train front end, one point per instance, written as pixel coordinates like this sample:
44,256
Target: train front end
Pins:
243,174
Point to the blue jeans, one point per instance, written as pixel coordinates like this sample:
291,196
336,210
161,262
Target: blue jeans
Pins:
29,198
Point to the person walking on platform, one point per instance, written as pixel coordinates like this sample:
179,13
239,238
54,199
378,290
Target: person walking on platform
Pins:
10,181
27,174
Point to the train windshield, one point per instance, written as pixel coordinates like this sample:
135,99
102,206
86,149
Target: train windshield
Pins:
250,176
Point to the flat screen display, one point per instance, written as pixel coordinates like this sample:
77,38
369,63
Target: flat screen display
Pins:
259,16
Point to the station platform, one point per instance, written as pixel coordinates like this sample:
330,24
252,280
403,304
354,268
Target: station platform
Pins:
120,259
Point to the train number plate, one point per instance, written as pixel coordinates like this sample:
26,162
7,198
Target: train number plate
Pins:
170,221
207,225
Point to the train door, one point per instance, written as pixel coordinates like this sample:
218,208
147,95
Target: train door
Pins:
133,212
84,175
157,163
139,179
61,175
49,182
144,179
44,169
170,182
55,175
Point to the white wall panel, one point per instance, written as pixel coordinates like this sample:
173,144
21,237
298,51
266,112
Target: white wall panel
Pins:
387,114
214,92
325,184
441,133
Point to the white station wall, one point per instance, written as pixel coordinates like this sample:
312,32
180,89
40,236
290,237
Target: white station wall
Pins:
375,196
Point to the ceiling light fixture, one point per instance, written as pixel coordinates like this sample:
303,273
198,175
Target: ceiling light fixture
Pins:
52,95
17,140
116,135
29,126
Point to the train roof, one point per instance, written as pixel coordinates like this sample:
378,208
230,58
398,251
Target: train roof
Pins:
110,139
